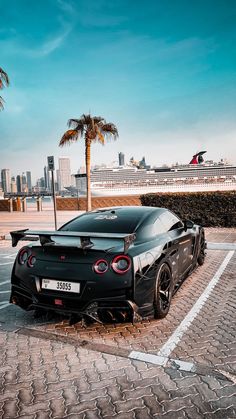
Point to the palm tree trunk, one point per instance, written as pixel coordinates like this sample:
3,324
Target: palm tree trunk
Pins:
88,163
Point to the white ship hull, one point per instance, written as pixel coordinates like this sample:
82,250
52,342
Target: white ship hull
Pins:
139,190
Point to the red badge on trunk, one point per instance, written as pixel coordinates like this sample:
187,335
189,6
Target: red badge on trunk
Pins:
58,302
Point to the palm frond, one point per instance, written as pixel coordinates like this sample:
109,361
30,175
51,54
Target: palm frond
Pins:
86,119
110,131
99,120
1,103
73,122
70,136
3,78
99,136
78,125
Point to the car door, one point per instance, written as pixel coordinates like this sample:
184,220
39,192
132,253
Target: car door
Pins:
180,239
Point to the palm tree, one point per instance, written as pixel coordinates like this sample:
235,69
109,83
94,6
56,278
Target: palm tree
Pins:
93,129
4,81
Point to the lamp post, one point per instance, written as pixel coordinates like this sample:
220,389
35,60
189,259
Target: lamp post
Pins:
51,168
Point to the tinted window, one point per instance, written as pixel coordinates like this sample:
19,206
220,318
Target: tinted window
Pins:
105,222
170,221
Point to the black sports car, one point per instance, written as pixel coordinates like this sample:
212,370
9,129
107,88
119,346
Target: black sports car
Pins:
112,264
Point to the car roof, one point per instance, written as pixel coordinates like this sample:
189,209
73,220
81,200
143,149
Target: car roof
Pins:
129,209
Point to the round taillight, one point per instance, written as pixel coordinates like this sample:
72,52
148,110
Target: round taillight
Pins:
23,256
31,261
121,264
101,266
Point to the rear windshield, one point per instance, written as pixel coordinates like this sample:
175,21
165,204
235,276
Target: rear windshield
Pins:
103,223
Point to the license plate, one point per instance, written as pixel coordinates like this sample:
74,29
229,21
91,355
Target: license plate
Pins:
51,284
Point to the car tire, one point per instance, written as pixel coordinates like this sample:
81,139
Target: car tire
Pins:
202,249
162,291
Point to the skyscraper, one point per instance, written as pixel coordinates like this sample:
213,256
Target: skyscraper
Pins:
19,183
64,177
5,178
13,185
121,159
24,183
29,181
47,179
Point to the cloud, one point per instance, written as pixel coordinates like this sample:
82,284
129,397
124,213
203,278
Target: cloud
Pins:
14,47
49,46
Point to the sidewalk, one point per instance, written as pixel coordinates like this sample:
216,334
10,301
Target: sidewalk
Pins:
44,220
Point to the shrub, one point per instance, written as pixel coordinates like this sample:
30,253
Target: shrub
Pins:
209,209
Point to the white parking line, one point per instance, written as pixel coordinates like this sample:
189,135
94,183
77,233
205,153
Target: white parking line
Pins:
4,306
7,255
6,263
174,339
221,246
4,282
4,302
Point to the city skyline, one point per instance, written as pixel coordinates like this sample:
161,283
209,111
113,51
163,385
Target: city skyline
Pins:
63,171
163,73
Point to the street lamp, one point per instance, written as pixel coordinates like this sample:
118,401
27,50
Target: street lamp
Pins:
51,168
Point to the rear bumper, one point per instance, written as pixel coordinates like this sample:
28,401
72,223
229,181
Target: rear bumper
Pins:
113,308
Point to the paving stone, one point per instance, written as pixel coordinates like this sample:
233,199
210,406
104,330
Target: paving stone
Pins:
81,407
10,409
177,404
223,402
153,405
126,406
57,407
106,408
142,413
42,415
47,379
69,395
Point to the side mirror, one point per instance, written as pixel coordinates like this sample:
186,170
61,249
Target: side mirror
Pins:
188,224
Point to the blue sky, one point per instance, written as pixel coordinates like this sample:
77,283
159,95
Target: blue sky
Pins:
163,71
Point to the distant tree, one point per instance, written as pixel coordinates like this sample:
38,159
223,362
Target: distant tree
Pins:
93,129
4,81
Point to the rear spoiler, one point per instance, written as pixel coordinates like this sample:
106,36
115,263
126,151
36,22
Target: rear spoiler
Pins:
45,237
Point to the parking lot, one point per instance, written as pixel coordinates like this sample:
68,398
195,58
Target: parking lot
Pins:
180,367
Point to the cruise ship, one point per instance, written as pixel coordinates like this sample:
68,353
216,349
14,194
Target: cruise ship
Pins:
128,180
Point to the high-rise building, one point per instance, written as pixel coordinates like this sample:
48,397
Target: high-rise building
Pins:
5,178
47,179
29,181
64,173
24,183
19,183
121,157
13,185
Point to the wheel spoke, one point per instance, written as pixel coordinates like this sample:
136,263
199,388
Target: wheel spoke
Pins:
164,289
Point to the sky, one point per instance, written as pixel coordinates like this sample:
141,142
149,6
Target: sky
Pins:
164,72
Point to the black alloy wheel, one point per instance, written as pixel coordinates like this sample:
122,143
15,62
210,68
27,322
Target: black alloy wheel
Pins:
202,249
163,291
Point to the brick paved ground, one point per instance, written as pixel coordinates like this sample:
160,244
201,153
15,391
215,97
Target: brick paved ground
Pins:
45,378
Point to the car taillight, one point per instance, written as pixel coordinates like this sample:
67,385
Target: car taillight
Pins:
23,256
121,264
101,266
31,261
